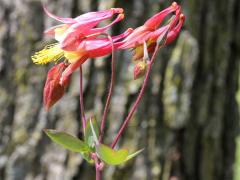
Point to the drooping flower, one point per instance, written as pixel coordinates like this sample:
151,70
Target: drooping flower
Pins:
144,39
70,34
78,39
149,31
91,48
76,55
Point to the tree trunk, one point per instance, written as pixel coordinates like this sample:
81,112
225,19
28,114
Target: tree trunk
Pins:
187,121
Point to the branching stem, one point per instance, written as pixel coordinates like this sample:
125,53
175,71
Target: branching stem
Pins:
97,166
140,95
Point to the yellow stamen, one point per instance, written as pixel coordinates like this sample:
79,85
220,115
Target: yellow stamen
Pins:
50,53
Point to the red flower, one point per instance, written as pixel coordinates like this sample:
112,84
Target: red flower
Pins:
90,48
72,32
149,33
74,29
78,39
53,91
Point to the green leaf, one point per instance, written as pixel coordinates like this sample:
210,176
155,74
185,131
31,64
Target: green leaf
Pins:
110,156
67,141
91,132
133,154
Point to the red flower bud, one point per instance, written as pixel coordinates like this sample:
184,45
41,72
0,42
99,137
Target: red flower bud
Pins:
140,69
53,91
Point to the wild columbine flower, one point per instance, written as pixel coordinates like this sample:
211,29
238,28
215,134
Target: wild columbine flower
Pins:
78,39
149,34
72,32
90,48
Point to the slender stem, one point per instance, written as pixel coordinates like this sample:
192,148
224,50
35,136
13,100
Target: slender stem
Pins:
83,117
97,166
98,172
103,121
140,95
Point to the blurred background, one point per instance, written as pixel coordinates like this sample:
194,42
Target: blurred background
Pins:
187,121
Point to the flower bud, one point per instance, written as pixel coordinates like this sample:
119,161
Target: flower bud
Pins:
140,69
53,91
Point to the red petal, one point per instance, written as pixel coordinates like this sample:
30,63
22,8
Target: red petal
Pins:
103,47
98,16
79,31
95,46
157,19
53,91
171,26
60,19
172,35
102,29
69,70
138,36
